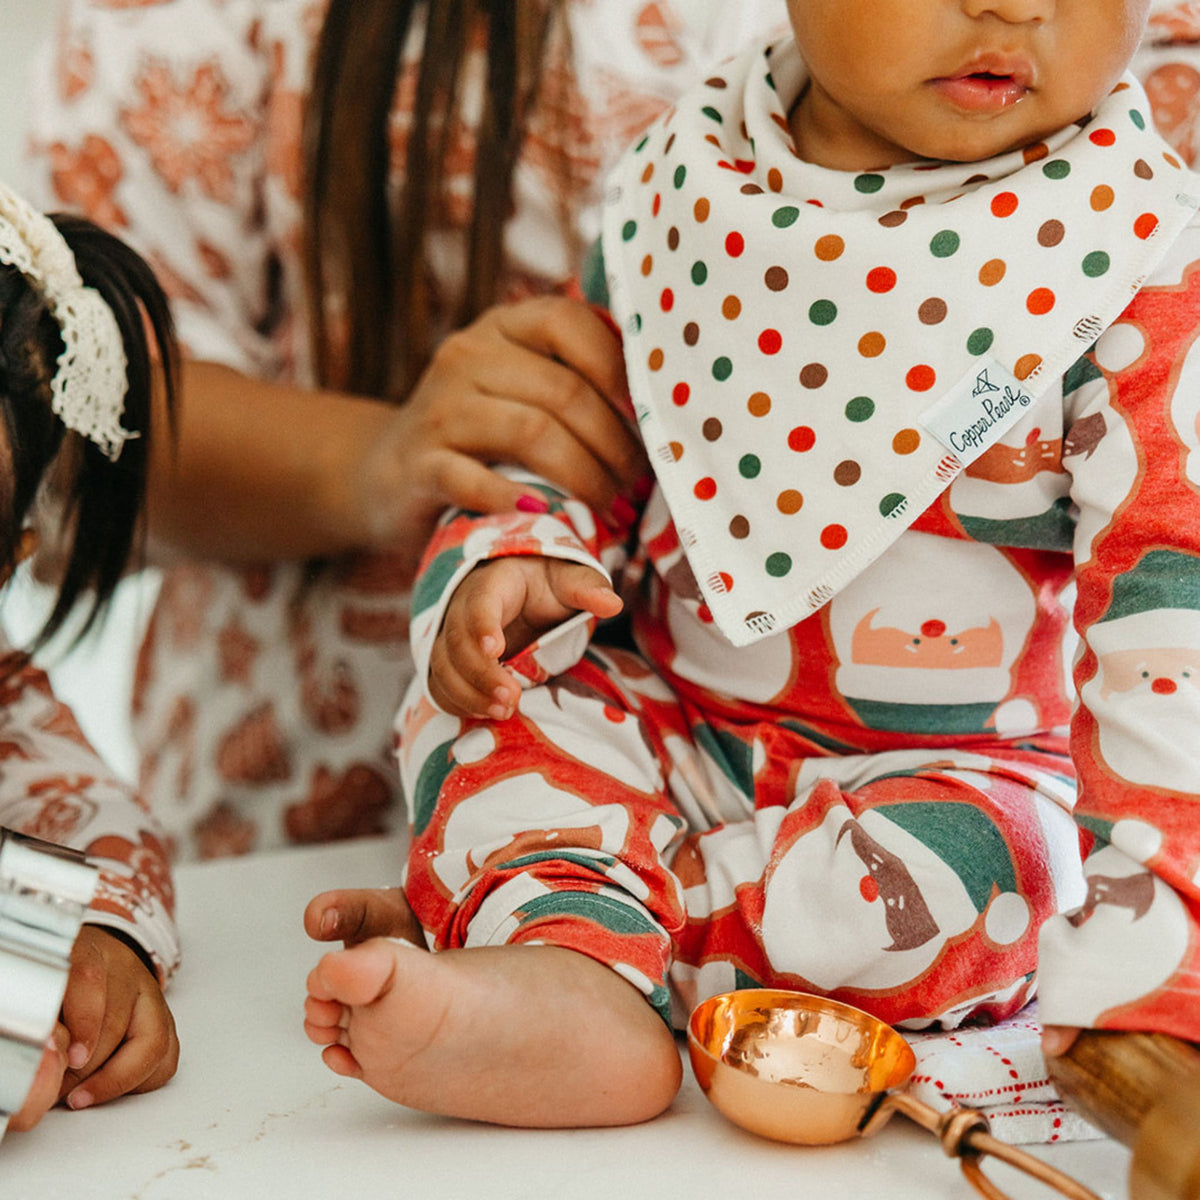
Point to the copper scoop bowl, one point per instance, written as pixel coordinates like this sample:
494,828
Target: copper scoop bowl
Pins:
807,1070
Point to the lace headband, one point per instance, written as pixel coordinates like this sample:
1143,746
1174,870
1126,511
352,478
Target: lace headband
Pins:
88,388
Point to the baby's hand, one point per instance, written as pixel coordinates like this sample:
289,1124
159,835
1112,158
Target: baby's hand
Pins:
120,1033
499,609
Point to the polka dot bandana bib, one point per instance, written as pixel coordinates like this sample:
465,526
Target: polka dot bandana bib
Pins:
814,354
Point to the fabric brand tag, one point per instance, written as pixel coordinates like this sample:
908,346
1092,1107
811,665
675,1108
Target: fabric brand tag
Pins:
978,410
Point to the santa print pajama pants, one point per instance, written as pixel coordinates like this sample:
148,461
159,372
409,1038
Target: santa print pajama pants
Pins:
694,856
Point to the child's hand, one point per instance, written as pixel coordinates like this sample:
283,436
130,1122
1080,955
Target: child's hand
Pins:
499,609
120,1033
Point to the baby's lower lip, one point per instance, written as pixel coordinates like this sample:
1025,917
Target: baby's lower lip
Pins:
981,93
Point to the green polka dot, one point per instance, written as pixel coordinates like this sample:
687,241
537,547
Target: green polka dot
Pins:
628,230
1057,168
861,408
980,341
770,80
713,114
749,465
945,243
890,503
635,322
641,145
680,175
699,272
1137,118
778,564
868,184
781,218
822,312
722,368
1096,264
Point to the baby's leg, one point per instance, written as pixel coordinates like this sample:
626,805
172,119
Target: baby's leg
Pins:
516,1035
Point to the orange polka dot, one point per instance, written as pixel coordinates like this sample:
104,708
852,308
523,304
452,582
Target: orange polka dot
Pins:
906,441
676,449
700,209
731,308
705,488
1171,160
647,264
1026,365
1102,197
992,272
759,404
921,377
1035,152
1040,301
829,247
789,501
775,179
1145,225
648,173
872,345
655,361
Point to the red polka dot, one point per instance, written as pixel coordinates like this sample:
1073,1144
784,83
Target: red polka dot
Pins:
921,378
1145,225
1102,137
706,488
1040,301
705,614
881,279
615,715
735,244
726,580
802,438
667,300
770,341
833,537
657,204
681,393
1004,205
868,889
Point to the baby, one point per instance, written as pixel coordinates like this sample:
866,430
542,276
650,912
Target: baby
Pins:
907,304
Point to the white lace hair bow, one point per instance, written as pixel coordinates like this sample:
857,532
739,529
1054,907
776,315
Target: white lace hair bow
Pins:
89,385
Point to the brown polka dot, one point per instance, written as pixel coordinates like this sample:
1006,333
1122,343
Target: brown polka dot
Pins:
715,82
1026,365
731,308
975,179
655,361
890,220
751,189
1051,233
647,264
912,202
814,375
670,143
992,272
691,333
776,278
700,209
932,311
847,472
906,441
676,450
789,501
1036,152
759,404
829,247
1102,197
872,345
1142,169
713,140
739,527
711,429
673,238
775,179
648,173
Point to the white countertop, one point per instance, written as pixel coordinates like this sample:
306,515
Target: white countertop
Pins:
254,1114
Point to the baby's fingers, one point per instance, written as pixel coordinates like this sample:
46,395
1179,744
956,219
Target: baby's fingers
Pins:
580,587
145,1060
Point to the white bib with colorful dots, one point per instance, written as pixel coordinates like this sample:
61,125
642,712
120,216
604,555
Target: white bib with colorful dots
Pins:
814,354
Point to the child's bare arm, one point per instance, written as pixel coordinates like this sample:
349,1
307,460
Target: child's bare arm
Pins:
499,609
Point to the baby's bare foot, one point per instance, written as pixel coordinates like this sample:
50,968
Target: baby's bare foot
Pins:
517,1035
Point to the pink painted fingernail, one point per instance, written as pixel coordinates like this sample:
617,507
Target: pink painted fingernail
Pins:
532,504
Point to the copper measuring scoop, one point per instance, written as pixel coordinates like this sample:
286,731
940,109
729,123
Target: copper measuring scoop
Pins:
803,1069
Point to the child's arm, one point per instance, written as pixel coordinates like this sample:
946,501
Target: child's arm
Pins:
496,612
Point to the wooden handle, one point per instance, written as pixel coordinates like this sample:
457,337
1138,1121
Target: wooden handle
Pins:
1144,1090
